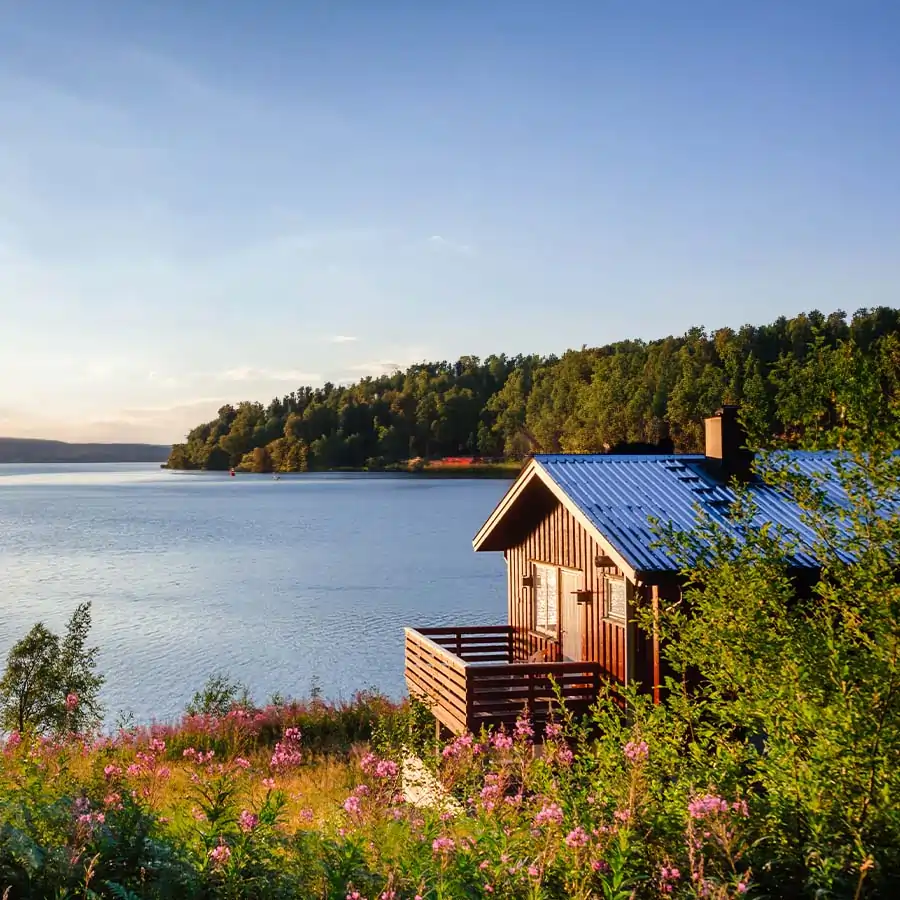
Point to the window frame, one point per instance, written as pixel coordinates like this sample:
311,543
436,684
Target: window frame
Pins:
607,614
545,631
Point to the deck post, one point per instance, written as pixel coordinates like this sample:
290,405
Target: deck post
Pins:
654,594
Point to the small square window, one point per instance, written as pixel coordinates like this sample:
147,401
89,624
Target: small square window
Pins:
616,600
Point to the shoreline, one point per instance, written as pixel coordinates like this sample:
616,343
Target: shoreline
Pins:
508,472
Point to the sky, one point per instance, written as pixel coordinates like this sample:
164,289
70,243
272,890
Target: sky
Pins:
221,200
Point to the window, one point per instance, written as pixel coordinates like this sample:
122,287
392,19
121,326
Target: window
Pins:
616,602
546,598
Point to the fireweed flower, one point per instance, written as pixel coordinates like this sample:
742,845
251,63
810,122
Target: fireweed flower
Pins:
112,771
13,740
456,747
220,854
247,821
386,769
576,838
553,730
241,763
352,805
550,814
443,845
501,741
636,751
523,730
708,805
287,753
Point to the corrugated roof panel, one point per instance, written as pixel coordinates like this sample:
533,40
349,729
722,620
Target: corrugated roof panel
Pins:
619,494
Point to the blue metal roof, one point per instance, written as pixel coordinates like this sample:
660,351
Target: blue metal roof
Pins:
619,494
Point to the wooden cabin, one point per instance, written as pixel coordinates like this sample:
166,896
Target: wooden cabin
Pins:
581,556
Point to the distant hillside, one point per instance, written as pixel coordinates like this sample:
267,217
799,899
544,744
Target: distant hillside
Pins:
27,450
795,378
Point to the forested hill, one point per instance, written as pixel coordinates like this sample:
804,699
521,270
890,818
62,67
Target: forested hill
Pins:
790,377
27,450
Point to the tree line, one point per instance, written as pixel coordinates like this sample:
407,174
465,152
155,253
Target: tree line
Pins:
794,377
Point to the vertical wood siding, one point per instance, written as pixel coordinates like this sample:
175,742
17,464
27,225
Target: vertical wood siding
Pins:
559,539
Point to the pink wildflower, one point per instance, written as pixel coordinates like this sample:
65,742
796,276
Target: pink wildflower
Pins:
443,845
501,741
112,771
523,730
565,755
742,887
247,821
708,805
599,865
306,815
552,731
241,763
71,702
157,746
351,805
636,751
576,838
622,815
550,814
386,769
534,871
268,783
456,747
220,854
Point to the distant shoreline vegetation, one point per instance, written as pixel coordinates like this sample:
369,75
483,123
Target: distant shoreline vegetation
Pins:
436,469
789,377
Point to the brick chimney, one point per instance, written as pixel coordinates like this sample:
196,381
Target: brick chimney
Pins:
726,454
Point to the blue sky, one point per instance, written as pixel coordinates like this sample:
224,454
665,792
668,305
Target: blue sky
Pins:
215,200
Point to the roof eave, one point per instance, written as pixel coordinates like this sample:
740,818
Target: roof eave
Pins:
481,541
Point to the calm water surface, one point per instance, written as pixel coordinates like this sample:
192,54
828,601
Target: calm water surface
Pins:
276,583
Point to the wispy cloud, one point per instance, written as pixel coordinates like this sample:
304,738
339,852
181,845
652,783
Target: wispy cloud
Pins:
439,242
249,373
342,339
379,367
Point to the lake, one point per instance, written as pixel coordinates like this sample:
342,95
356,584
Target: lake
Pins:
279,584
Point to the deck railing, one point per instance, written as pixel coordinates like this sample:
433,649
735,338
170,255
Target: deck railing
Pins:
469,680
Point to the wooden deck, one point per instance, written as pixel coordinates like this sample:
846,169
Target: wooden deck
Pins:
469,678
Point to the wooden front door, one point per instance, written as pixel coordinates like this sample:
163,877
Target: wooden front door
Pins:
572,615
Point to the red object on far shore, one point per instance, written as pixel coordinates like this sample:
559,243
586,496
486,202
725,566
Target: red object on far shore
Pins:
232,473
